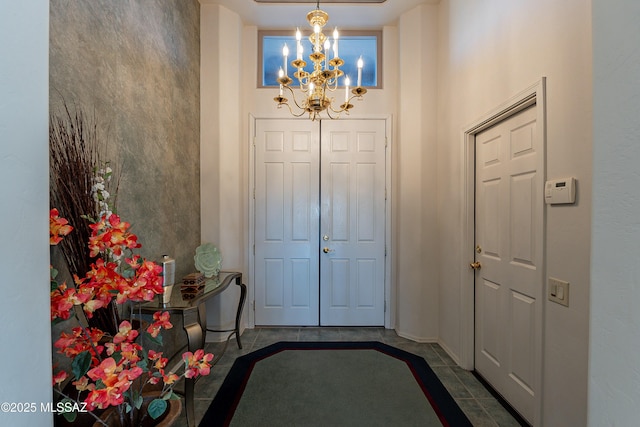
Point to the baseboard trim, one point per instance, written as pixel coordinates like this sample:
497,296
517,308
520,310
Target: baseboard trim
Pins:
501,400
416,338
451,354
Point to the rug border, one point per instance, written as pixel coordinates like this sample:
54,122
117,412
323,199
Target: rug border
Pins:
223,406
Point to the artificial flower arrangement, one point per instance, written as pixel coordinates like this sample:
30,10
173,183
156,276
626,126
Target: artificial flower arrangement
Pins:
111,371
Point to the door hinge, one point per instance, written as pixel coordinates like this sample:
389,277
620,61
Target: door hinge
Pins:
254,249
385,250
385,193
385,306
254,305
386,142
254,193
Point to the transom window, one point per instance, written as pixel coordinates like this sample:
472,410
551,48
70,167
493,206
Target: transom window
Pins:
353,45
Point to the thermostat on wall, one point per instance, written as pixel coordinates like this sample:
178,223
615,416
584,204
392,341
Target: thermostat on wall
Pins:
560,191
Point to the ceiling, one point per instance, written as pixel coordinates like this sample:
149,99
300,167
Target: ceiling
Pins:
350,15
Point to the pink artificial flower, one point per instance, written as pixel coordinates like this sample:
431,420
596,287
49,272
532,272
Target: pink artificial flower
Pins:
125,333
59,377
57,227
161,320
197,363
62,301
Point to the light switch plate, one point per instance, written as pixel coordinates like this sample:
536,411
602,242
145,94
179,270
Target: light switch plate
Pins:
558,291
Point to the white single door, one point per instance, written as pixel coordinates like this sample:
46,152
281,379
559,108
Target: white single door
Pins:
296,281
509,282
352,261
286,222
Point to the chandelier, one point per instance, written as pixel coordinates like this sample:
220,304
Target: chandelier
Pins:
318,86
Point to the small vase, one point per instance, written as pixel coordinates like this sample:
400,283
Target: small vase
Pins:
171,414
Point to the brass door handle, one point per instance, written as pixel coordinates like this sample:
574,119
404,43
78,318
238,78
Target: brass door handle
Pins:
326,250
476,265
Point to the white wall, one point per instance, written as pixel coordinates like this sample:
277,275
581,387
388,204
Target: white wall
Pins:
223,152
490,51
614,378
25,354
416,187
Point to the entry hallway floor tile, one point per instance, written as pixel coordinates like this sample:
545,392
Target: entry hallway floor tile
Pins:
472,396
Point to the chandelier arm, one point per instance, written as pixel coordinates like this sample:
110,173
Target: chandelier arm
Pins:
291,110
330,109
334,110
332,87
352,97
295,101
304,83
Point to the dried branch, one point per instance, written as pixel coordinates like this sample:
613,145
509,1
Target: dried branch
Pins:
75,156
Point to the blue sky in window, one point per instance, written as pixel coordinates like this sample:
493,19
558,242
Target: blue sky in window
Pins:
350,49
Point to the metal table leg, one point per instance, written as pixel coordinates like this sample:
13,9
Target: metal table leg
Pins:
236,330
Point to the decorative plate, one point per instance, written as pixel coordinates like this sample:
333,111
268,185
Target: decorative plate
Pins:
208,260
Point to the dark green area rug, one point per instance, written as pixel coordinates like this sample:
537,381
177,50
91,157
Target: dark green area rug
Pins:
332,384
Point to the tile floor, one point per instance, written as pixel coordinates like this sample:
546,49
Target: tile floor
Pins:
479,405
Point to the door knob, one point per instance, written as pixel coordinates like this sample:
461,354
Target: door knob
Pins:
326,250
325,237
476,265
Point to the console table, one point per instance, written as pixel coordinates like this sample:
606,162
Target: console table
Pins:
194,318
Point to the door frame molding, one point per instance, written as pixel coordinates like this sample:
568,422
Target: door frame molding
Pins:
532,95
389,285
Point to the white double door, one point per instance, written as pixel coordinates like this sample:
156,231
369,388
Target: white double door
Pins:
319,222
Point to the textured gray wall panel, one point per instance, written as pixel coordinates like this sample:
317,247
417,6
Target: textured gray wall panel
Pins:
135,65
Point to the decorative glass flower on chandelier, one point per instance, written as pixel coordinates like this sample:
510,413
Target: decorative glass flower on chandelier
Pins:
317,86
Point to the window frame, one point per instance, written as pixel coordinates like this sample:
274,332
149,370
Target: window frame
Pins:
343,33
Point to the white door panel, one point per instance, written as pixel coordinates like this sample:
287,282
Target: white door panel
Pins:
286,222
509,220
353,221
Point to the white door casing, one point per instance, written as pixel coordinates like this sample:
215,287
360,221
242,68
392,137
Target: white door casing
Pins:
352,216
509,238
288,286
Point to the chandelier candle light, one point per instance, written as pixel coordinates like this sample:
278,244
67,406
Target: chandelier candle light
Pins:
318,85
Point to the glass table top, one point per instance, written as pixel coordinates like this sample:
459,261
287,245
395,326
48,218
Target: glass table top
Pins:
190,296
